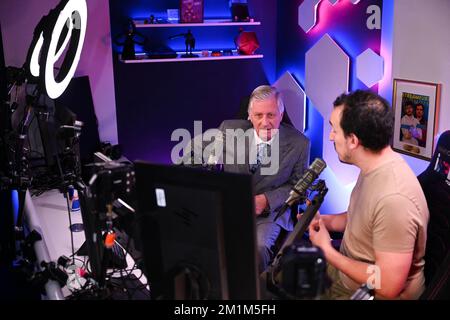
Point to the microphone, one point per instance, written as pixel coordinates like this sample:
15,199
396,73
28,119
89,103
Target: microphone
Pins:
303,184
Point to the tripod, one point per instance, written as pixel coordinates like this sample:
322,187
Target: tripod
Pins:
271,274
14,176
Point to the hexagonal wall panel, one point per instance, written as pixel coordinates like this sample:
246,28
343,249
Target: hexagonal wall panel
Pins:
294,99
307,14
369,67
326,77
326,73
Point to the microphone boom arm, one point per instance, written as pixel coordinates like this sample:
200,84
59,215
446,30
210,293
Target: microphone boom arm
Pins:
305,220
298,192
300,228
307,217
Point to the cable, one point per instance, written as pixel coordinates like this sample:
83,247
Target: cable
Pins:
70,223
68,207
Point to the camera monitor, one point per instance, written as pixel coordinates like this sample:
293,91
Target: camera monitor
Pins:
198,232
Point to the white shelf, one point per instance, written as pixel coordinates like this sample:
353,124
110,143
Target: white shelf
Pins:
206,23
235,56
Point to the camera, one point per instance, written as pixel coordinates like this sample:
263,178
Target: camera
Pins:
109,181
301,273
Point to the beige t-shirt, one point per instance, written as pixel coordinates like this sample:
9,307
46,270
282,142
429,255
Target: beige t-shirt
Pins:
388,212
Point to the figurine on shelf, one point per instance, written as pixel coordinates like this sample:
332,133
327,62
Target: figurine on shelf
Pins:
151,20
189,40
131,37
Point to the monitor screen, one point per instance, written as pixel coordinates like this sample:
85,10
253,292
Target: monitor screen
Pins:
198,232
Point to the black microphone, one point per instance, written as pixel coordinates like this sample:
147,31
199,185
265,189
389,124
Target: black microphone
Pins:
303,184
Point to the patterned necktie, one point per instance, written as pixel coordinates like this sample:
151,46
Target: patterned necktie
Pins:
261,149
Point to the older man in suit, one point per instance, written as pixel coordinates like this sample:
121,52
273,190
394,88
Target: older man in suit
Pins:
276,154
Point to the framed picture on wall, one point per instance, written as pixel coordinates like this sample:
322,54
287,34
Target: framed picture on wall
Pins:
416,110
191,11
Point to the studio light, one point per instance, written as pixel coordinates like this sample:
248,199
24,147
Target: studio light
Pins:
68,19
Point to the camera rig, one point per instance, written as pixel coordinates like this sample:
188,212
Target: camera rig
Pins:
298,271
14,166
109,181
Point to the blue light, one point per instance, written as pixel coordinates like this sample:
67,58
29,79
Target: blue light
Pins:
142,15
15,204
298,73
352,48
314,130
314,120
338,195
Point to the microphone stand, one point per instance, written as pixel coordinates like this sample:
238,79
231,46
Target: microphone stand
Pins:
299,199
300,228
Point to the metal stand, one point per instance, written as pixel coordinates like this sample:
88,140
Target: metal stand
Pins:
270,275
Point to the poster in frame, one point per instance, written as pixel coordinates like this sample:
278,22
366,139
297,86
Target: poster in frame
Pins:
191,11
416,109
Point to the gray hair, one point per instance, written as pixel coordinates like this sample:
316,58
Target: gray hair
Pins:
265,92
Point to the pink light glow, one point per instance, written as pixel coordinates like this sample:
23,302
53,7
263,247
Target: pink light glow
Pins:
325,12
386,53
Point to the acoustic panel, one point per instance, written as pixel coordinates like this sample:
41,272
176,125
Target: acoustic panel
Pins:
307,14
294,99
369,67
326,73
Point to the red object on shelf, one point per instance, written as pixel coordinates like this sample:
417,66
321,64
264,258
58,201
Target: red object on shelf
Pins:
246,42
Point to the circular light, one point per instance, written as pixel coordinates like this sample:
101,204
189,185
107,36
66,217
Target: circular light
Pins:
76,33
34,61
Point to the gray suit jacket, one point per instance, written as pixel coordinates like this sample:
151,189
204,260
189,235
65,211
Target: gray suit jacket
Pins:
293,160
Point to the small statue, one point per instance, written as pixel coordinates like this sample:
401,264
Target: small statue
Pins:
189,40
151,20
132,37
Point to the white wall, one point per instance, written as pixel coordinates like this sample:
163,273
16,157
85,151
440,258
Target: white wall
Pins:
421,51
18,19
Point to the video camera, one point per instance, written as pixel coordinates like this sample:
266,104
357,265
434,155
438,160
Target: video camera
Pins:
110,181
303,272
298,270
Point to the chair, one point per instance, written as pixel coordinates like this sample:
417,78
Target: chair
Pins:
243,112
435,182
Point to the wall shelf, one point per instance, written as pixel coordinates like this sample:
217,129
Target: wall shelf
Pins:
206,23
235,56
143,58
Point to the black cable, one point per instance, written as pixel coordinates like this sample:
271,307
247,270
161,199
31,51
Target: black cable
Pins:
124,284
68,207
128,272
70,223
135,263
82,261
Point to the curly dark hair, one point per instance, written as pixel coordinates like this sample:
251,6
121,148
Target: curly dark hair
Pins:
368,116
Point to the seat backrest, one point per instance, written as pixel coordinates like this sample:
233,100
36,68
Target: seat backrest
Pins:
243,114
435,182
